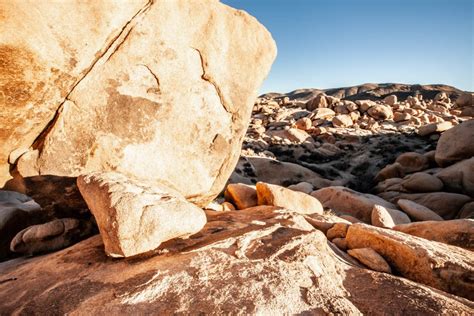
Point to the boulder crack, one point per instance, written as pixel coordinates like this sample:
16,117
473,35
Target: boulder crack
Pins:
111,47
209,79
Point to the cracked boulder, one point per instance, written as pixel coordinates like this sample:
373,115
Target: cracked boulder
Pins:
141,101
134,217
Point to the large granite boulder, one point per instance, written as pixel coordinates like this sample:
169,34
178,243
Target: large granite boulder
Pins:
125,93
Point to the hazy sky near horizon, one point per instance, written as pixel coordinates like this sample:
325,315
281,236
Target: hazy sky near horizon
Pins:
337,43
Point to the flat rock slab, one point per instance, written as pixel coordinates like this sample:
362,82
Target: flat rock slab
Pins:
258,261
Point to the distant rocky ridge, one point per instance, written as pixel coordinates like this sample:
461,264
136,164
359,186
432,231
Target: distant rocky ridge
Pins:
371,91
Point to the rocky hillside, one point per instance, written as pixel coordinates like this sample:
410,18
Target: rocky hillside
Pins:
142,175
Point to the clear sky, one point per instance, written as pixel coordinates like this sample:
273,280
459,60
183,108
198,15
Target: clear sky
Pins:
337,43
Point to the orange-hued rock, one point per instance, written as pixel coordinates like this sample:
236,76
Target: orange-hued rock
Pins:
370,258
148,103
136,217
241,195
270,194
456,232
441,266
257,261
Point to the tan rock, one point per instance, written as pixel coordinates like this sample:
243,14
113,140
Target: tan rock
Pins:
390,100
338,230
133,81
345,200
364,105
431,128
394,170
380,112
270,194
323,113
412,162
324,222
237,258
452,145
371,259
241,195
304,187
399,117
418,212
135,217
459,177
422,182
445,204
441,266
319,101
388,217
39,70
304,123
343,120
457,232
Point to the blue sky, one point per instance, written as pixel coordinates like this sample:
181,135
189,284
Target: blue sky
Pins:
336,43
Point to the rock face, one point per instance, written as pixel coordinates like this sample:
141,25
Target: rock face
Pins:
456,144
250,262
435,264
163,108
135,217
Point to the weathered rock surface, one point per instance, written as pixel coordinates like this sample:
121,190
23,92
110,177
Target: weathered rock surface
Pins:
163,108
135,217
456,144
417,211
441,266
344,200
43,61
267,262
270,194
456,232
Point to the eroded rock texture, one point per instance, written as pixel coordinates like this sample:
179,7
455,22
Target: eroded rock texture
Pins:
257,261
138,99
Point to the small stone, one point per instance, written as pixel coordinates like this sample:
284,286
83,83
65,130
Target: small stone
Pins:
387,218
270,194
371,259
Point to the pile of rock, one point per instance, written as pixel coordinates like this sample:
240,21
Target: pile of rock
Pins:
439,181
